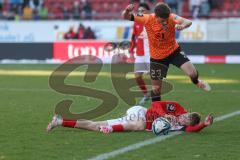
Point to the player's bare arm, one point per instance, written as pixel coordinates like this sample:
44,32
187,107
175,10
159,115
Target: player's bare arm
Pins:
197,128
127,13
182,23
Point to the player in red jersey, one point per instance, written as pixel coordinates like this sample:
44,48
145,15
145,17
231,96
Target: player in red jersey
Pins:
138,118
161,27
142,61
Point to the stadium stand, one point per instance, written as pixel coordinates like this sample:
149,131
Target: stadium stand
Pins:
110,9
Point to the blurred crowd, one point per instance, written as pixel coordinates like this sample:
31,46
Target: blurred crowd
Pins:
82,33
109,9
195,8
45,9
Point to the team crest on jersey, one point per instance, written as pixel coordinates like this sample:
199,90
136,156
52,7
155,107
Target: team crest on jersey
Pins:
170,107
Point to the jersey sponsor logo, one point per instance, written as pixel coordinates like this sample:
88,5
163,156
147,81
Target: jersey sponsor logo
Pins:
170,107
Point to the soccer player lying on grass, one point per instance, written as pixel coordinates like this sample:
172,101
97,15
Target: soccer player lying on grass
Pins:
138,118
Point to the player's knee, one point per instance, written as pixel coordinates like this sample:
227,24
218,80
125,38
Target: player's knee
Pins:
139,126
94,126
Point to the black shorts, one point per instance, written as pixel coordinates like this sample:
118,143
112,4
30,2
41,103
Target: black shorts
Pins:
159,67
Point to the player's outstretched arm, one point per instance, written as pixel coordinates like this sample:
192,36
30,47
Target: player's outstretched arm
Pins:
208,121
127,13
182,23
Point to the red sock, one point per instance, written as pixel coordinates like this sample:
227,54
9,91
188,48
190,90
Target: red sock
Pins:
141,85
69,123
117,128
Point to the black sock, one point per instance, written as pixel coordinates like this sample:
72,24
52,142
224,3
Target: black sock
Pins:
195,79
155,97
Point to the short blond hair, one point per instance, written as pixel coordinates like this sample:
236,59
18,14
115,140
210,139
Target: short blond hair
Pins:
195,118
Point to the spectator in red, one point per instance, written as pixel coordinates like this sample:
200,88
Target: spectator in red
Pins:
70,34
89,34
81,30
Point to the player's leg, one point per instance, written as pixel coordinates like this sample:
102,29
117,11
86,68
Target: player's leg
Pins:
139,69
81,124
135,125
179,59
191,71
128,125
158,71
90,125
113,125
136,118
156,90
142,86
140,82
133,121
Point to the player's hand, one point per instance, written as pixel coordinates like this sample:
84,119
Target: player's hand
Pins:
131,56
130,59
179,27
129,8
131,50
208,120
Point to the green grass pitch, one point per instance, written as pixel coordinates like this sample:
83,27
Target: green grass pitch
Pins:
27,105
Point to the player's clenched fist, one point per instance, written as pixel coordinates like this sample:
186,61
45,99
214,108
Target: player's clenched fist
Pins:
130,8
127,13
209,120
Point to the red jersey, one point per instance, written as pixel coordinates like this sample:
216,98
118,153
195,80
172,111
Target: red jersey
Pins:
70,35
139,39
160,108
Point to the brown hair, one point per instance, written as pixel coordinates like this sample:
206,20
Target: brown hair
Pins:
162,10
195,118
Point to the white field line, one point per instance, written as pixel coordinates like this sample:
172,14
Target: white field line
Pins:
152,140
50,90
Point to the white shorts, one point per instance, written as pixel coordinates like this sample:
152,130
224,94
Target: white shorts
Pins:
135,113
142,64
